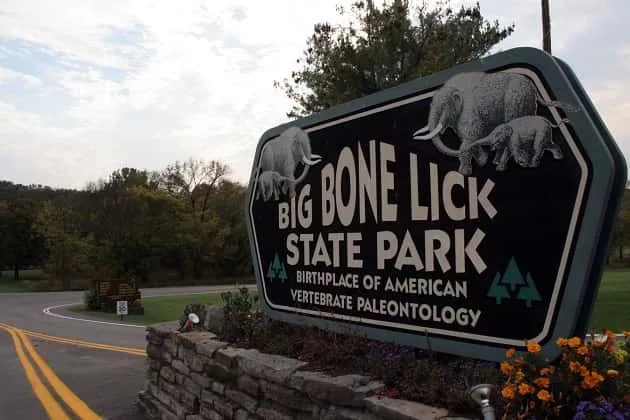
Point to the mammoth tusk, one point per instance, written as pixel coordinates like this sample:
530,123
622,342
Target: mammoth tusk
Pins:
309,161
422,130
314,156
432,134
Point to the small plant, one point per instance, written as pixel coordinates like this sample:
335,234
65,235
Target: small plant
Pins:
591,380
240,314
91,300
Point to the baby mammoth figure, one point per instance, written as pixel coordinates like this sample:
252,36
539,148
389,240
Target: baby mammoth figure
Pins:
271,184
524,138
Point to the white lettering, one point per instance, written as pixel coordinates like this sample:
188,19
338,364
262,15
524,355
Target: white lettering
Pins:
367,182
346,210
388,210
418,212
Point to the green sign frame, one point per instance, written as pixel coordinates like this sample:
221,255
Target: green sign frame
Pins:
604,174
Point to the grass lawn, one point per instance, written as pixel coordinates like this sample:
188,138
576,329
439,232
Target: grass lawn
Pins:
157,309
30,274
11,286
612,307
8,284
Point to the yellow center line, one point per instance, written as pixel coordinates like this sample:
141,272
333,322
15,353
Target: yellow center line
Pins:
70,398
51,406
121,349
74,402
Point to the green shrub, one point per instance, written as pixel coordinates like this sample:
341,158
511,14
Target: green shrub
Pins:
240,313
91,300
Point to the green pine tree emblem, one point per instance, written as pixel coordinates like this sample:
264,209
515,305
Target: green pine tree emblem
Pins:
512,282
529,292
276,270
513,276
497,290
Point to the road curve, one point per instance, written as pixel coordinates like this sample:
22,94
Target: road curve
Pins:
99,366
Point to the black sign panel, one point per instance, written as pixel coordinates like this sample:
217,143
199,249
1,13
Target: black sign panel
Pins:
453,208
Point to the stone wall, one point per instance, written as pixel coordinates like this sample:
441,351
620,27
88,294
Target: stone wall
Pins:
194,376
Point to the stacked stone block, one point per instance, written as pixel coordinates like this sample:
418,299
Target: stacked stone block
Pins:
194,376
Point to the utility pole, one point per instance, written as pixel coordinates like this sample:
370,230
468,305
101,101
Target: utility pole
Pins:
546,26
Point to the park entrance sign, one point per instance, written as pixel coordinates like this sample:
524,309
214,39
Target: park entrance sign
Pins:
469,211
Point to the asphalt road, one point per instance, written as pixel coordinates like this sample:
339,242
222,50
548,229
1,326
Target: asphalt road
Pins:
105,381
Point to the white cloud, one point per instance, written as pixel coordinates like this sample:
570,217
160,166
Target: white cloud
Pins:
142,83
9,75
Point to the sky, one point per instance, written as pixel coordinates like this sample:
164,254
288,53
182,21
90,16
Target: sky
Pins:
87,87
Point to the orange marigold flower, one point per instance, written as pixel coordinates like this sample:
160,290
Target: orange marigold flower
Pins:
561,341
589,382
582,351
542,382
612,373
626,333
543,395
609,334
520,376
524,389
533,347
598,343
575,366
508,392
506,368
549,370
510,353
583,371
597,376
574,342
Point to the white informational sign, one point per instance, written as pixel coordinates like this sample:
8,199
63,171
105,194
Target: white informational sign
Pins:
121,307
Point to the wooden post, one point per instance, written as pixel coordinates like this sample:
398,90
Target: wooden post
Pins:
546,26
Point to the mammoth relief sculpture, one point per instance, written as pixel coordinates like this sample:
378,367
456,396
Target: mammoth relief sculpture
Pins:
270,184
472,104
279,161
524,139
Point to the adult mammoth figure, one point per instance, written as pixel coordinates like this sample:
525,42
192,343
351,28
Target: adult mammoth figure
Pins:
284,153
473,104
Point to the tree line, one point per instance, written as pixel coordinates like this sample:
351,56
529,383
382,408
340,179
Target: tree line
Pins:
185,222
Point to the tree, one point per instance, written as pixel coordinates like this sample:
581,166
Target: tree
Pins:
194,180
58,221
381,48
126,178
513,276
497,290
529,292
621,229
21,244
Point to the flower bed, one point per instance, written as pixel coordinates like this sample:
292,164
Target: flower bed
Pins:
590,378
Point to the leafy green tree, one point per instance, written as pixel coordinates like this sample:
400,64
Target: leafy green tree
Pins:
384,47
21,244
69,251
621,229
